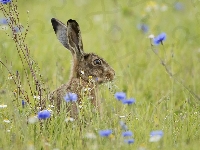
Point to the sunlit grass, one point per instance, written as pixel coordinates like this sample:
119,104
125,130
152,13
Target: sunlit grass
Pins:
166,95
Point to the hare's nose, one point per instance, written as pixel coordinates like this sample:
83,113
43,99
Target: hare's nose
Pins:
110,75
112,72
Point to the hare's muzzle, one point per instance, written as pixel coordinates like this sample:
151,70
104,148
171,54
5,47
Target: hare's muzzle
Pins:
110,75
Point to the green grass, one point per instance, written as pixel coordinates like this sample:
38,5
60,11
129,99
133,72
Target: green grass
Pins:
109,28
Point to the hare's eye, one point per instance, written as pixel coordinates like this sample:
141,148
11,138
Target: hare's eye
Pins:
97,62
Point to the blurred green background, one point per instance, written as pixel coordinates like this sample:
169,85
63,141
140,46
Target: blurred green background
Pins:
118,31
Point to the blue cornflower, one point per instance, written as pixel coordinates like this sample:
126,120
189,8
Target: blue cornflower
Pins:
129,141
156,135
120,95
127,133
156,132
23,103
159,39
179,6
17,29
143,27
128,101
70,97
123,125
105,133
5,1
44,114
3,21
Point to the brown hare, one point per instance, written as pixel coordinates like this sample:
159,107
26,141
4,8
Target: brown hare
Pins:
87,71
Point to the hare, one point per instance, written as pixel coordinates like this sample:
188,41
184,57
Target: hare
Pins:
88,69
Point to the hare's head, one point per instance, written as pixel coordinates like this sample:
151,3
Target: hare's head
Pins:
84,64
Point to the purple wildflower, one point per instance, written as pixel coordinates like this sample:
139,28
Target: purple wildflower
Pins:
128,101
127,133
44,114
105,133
159,39
120,96
5,1
70,97
129,141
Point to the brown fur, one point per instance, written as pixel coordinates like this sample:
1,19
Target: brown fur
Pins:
88,69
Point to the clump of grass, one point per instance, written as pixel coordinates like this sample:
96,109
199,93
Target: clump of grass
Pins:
18,33
163,59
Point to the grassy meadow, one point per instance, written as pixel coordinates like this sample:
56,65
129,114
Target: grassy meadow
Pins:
163,79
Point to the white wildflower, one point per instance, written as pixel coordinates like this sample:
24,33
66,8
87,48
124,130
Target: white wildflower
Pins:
90,135
155,138
52,106
6,121
87,89
3,106
36,97
151,36
32,119
82,72
122,116
163,8
4,27
69,119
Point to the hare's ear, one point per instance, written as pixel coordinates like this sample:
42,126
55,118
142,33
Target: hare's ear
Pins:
74,37
61,32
